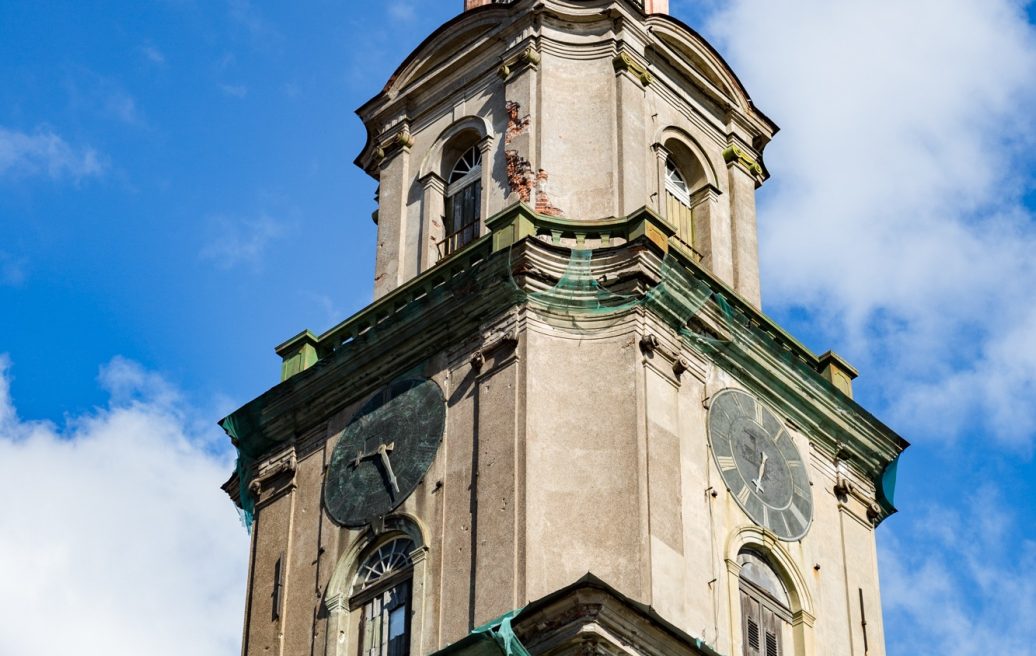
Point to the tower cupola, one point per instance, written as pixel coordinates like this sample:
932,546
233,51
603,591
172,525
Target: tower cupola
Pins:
580,110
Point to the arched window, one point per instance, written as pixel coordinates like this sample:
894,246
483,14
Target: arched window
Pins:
765,607
678,202
463,201
383,588
675,183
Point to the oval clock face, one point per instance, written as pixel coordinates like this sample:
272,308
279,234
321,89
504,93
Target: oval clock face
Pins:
384,452
760,464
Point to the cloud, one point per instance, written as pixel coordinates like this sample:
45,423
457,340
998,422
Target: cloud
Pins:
234,90
237,242
246,16
44,152
153,55
402,10
120,528
12,270
897,208
120,105
102,96
963,583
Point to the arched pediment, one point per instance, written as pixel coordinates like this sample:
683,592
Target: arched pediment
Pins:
766,543
443,44
686,49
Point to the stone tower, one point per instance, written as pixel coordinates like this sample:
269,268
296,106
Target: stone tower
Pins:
563,426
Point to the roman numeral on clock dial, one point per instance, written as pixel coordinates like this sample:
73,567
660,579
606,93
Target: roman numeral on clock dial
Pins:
726,463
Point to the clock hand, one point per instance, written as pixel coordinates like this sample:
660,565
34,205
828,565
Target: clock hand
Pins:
383,451
762,469
361,456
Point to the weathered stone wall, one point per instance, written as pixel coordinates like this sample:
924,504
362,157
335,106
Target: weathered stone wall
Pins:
572,452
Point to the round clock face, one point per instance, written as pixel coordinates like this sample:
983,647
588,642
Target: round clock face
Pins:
384,452
760,464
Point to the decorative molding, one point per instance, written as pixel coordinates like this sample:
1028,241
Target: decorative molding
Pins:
397,143
706,193
528,58
275,478
734,154
336,603
625,63
507,339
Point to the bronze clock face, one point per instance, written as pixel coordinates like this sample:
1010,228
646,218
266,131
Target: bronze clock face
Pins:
760,464
384,452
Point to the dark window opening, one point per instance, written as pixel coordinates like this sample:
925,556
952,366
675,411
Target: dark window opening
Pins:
463,202
383,589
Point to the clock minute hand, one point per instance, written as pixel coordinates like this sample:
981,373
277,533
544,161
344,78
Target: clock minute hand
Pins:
383,451
361,456
762,469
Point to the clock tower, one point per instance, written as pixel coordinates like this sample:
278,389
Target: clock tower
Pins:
564,425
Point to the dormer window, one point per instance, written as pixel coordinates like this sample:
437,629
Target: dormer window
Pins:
463,202
383,588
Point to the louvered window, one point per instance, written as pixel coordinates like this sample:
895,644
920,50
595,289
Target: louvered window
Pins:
678,203
463,202
383,589
764,607
753,634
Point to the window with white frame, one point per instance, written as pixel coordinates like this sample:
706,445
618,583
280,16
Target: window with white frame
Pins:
383,588
675,184
463,201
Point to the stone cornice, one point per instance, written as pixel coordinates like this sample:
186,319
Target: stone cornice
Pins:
517,265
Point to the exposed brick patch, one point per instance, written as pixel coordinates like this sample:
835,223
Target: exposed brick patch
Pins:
543,204
519,175
515,126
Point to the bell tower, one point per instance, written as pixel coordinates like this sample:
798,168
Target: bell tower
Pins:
564,425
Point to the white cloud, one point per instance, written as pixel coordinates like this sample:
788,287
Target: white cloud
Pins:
119,540
120,105
402,10
153,55
234,90
246,16
12,270
102,96
236,242
44,152
896,207
963,585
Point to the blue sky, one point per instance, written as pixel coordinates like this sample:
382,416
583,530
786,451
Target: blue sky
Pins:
177,196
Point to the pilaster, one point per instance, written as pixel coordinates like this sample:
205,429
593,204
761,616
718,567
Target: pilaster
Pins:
631,138
389,265
712,236
744,175
433,211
